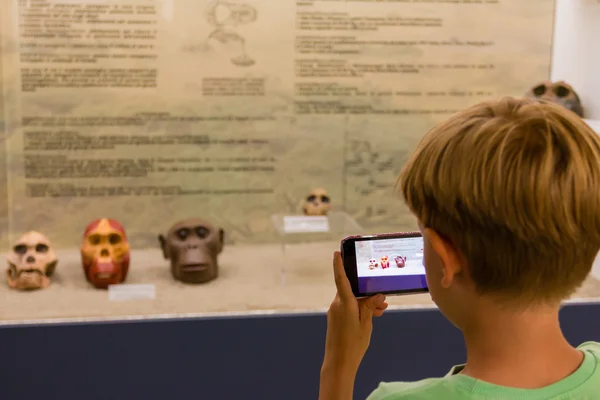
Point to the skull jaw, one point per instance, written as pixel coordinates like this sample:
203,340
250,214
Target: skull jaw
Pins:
28,281
314,211
103,273
195,274
572,105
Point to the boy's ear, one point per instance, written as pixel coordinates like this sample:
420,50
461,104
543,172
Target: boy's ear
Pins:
449,256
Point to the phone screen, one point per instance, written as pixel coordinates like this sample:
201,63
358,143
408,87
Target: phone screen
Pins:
389,265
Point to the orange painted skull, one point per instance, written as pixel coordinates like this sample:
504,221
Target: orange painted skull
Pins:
385,263
105,253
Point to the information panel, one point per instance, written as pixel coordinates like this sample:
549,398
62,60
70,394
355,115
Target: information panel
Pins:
148,111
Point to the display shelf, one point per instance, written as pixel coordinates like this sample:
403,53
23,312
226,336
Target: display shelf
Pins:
249,281
248,284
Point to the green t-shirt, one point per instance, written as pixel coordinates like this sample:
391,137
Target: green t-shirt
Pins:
583,384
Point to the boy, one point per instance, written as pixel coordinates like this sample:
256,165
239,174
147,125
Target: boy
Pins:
507,197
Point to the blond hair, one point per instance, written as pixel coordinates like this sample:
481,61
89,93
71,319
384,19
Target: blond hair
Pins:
515,185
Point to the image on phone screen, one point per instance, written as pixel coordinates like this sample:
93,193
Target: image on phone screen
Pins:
390,265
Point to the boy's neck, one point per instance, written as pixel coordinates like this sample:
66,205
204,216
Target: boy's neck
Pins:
523,350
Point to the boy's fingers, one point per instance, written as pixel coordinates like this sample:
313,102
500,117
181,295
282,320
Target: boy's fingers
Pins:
341,280
370,307
379,311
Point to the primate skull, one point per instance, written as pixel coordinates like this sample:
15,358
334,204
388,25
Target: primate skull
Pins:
373,263
193,246
31,262
558,92
400,261
105,253
317,202
385,263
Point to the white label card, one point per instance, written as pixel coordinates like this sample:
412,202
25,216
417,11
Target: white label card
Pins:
125,292
304,224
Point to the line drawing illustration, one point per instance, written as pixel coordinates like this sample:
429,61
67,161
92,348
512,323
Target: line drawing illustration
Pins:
225,17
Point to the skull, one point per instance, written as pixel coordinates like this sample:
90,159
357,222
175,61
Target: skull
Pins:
317,202
105,253
192,246
373,263
31,262
400,261
384,262
560,93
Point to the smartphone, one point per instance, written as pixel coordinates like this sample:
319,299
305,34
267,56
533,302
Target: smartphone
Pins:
390,263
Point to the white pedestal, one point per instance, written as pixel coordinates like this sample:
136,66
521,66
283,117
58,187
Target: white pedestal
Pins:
576,52
594,124
596,267
299,229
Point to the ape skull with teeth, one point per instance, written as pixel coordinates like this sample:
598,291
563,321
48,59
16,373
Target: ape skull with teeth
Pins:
193,246
105,253
317,202
31,262
560,93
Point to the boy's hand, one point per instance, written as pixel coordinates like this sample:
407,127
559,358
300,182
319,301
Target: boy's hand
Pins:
349,325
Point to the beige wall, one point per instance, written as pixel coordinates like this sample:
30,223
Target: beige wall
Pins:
400,67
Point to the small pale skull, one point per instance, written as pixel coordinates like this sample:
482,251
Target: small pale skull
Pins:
193,246
560,93
31,263
317,202
373,263
105,253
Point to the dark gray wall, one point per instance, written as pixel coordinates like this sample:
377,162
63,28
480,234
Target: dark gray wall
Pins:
275,357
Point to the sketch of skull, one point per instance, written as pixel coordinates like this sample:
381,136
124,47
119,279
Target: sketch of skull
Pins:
225,16
317,202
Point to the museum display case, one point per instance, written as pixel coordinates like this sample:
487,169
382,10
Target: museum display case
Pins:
176,174
176,158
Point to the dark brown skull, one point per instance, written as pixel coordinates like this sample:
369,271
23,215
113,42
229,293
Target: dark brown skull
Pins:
193,246
558,92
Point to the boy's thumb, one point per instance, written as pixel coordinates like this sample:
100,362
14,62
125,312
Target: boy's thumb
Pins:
368,307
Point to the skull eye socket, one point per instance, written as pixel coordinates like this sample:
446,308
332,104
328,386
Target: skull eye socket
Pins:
325,199
540,90
20,249
113,238
202,232
183,233
94,240
42,248
311,198
561,91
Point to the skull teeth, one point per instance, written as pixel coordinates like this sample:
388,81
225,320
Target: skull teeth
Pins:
195,267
